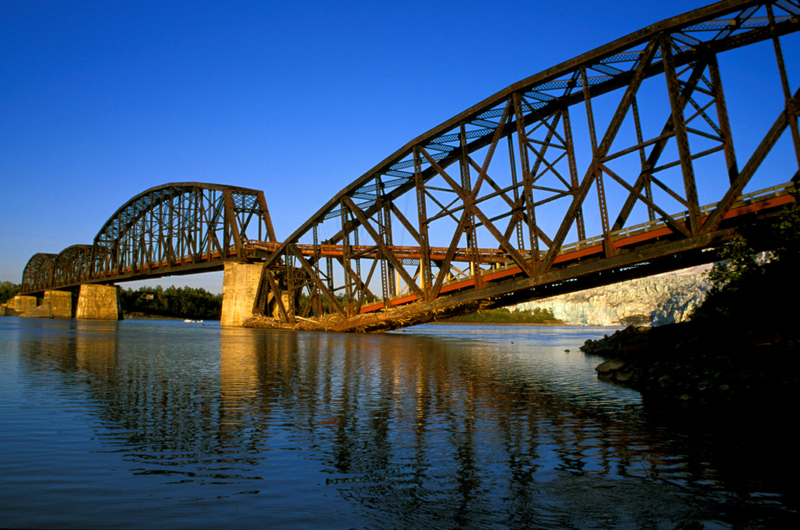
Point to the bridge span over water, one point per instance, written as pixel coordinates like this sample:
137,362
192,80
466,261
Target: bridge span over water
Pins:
618,163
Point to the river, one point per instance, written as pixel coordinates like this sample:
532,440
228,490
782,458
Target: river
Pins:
166,424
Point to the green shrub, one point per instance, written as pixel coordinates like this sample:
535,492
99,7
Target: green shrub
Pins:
180,302
504,316
8,291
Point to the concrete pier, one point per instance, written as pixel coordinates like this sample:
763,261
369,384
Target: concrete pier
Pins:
239,288
20,304
60,303
99,302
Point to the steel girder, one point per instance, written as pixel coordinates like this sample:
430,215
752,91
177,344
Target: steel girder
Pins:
528,194
169,229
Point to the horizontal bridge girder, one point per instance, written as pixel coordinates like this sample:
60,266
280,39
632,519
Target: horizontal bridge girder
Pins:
371,252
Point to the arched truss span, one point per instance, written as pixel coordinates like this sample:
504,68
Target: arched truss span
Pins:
170,229
38,273
641,123
180,226
73,265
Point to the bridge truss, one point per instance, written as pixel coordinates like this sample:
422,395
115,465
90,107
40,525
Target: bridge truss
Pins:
516,173
172,229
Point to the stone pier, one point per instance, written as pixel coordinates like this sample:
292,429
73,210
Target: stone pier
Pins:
20,304
60,303
239,288
99,302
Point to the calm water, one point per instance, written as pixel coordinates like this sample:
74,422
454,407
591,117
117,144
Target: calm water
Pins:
166,424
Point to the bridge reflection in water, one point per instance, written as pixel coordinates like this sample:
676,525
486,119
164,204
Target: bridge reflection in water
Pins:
458,426
500,194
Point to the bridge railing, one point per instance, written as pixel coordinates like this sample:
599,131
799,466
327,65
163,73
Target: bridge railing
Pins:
682,217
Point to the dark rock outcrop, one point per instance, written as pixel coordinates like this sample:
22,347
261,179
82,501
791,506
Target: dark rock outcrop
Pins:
693,366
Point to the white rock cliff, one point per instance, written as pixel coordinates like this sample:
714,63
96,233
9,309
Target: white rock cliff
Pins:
656,300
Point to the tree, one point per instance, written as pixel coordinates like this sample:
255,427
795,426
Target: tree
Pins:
787,250
747,292
183,302
739,264
8,291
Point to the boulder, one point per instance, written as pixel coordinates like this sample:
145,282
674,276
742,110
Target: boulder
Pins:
613,365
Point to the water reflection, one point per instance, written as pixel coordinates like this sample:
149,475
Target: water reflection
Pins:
458,428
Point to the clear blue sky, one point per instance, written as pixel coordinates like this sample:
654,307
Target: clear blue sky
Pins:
102,100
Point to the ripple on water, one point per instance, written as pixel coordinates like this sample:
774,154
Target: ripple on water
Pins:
473,426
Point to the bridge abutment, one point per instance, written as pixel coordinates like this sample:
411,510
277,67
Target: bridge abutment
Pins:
239,290
99,302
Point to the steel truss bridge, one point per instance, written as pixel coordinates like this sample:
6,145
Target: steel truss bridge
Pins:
181,228
587,173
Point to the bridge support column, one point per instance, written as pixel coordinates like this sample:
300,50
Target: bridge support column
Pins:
99,302
60,303
20,304
239,289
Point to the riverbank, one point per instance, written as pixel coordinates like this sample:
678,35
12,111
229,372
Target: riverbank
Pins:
148,316
494,323
692,366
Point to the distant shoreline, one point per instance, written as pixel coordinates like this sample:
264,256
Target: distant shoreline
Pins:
145,316
477,323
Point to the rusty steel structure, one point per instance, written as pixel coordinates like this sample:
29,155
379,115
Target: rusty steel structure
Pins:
616,164
178,228
515,174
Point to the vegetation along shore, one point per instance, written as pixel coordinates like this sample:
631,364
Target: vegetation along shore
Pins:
504,316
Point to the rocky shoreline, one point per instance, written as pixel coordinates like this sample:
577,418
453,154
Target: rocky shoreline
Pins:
691,367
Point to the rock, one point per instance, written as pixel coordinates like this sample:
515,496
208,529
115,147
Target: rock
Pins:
621,343
702,368
610,366
656,300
